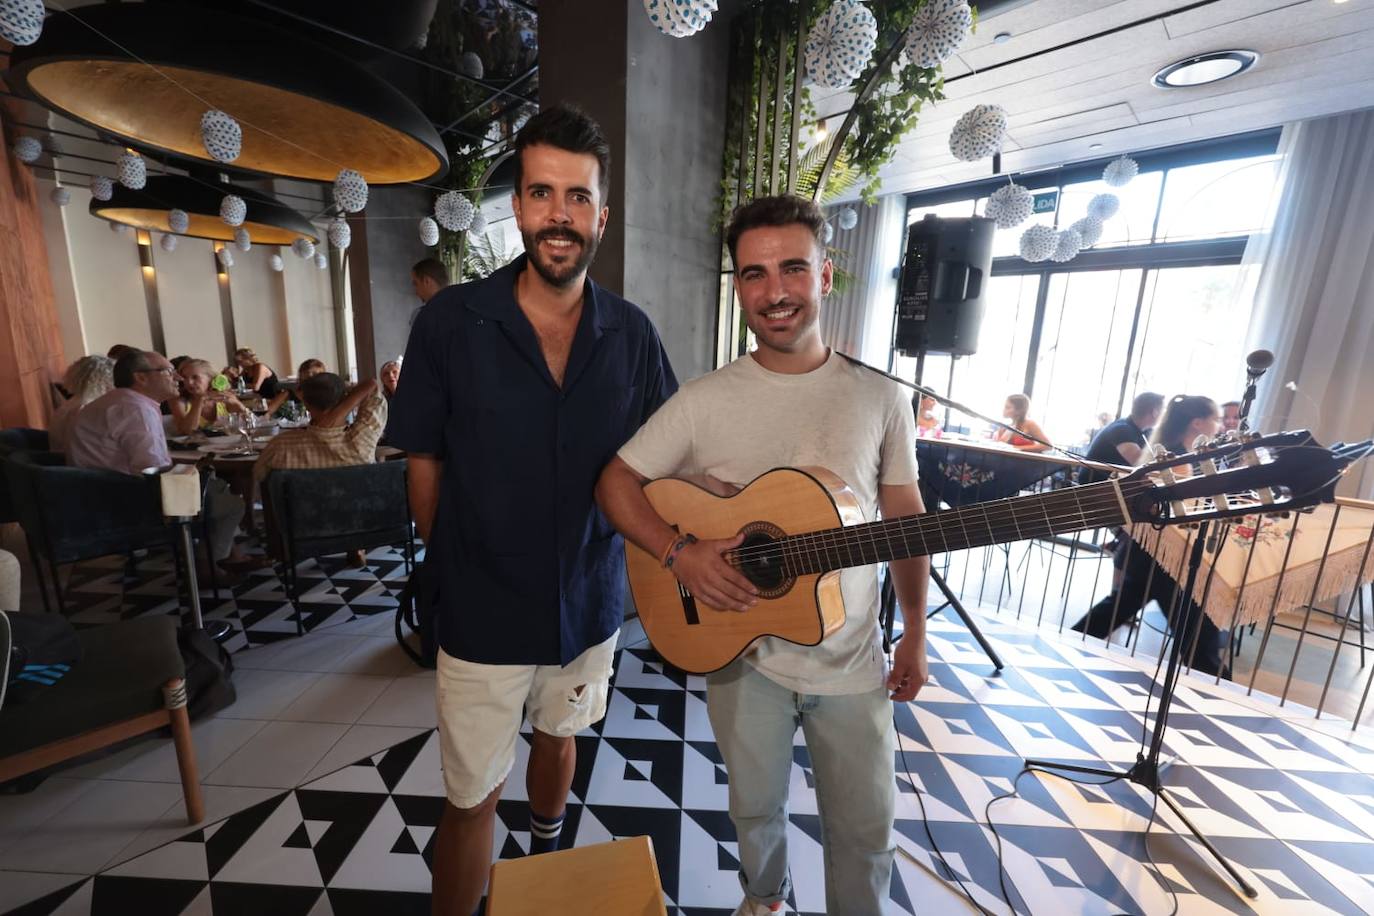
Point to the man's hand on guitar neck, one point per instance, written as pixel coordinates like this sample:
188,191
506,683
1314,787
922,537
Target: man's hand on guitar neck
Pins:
702,567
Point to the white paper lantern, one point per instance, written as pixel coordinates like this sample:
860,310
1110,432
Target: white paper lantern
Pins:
60,196
340,235
303,248
226,258
679,18
827,233
470,65
429,232
841,44
1066,246
233,210
1038,242
243,240
321,260
1089,229
1119,172
221,136
276,263
168,242
1104,206
979,133
848,218
1010,205
133,171
102,188
937,30
178,220
479,222
21,21
454,211
350,191
27,149
118,228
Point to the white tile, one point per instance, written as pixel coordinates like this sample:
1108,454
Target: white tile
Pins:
278,756
89,832
378,656
20,887
407,701
220,802
21,814
338,698
383,624
361,741
155,760
263,693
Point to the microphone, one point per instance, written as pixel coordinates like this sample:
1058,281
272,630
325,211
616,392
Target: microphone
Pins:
1258,362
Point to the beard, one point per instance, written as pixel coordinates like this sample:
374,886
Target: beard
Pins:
563,273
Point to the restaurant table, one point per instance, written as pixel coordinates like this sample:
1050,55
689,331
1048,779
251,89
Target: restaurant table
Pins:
960,472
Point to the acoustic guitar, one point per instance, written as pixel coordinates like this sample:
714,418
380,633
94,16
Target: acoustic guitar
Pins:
801,526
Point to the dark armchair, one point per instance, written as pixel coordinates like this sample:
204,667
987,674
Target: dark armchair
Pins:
322,511
14,440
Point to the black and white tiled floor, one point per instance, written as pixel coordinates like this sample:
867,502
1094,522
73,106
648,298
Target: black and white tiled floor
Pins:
1292,807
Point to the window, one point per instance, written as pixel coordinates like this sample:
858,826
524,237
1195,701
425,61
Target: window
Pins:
1154,306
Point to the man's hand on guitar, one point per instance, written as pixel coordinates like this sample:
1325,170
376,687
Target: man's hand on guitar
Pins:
703,568
909,669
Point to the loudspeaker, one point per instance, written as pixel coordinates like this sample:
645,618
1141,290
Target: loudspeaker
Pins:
940,298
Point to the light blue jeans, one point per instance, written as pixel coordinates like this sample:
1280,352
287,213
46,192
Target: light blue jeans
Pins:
851,743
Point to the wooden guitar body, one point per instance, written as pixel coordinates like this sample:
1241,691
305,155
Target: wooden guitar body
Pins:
803,609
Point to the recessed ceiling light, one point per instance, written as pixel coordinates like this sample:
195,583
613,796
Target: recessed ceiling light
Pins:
1001,38
1204,68
1094,146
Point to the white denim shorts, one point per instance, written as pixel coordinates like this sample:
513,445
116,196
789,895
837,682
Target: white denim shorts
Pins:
481,708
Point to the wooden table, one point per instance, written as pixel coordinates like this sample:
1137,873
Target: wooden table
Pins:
608,879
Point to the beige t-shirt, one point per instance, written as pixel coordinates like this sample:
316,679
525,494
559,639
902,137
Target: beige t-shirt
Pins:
742,421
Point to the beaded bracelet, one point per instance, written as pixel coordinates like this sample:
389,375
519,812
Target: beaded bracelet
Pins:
673,551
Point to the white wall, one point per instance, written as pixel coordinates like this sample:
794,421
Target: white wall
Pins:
63,279
188,296
260,307
310,319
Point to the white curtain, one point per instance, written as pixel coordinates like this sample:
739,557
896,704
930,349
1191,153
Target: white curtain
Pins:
858,321
1313,276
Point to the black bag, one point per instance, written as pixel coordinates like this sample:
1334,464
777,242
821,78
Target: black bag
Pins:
209,672
42,650
416,609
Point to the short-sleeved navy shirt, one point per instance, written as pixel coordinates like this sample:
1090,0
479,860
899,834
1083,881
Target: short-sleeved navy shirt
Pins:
527,569
1103,447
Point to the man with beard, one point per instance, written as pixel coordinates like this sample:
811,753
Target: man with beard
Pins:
792,403
517,390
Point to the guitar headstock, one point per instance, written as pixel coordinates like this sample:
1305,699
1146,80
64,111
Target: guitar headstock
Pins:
1239,475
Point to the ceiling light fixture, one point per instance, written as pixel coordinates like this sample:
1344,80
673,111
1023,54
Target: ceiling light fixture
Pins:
1001,38
268,221
1205,68
821,132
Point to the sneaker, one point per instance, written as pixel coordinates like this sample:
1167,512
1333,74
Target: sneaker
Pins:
748,907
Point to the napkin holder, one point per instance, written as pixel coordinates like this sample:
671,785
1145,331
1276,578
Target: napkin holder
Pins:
180,491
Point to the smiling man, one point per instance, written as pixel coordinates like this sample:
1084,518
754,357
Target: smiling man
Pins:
792,403
517,390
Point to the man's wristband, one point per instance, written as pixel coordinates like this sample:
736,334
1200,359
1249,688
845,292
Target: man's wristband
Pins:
675,548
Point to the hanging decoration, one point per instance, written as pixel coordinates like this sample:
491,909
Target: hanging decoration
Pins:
1089,229
827,233
479,222
979,133
471,65
350,191
21,21
243,240
102,188
429,232
1038,243
1010,205
276,263
221,136
27,149
119,228
133,171
168,242
1104,206
1066,246
321,260
340,235
303,248
679,18
848,218
178,220
840,44
454,211
233,210
937,30
60,196
1119,172
226,257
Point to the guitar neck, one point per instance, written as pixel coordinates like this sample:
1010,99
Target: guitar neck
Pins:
1014,519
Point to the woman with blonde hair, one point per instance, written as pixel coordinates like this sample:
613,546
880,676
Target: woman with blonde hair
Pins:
85,380
1015,410
256,374
199,406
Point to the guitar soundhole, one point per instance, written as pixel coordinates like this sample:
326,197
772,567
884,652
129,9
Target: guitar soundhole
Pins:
761,565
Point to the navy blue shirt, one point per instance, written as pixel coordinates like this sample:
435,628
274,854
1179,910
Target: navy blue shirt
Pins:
527,569
1104,446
